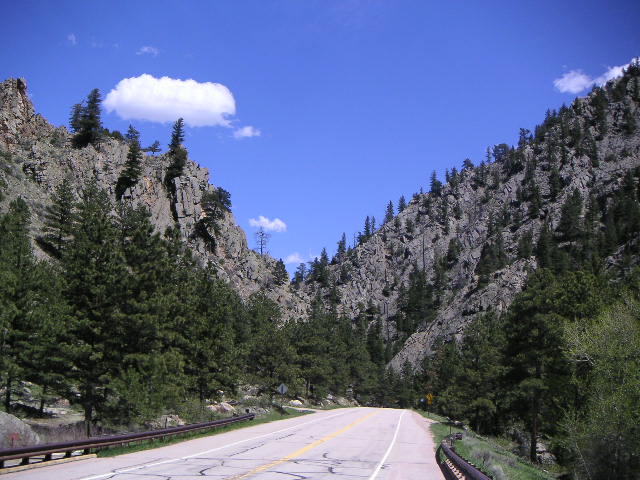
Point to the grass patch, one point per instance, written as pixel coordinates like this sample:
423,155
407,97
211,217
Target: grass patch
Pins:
486,453
499,463
149,444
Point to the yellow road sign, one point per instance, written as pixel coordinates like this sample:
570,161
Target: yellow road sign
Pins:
429,398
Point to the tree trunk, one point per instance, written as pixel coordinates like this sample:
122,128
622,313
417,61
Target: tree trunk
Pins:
41,409
88,413
7,395
534,428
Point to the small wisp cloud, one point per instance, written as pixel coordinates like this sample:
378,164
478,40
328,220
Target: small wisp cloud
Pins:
246,132
166,99
72,39
294,258
275,225
576,81
148,50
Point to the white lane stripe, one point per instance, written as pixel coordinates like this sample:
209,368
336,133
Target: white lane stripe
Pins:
147,465
393,441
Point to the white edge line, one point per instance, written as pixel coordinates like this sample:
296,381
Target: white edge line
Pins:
393,441
147,465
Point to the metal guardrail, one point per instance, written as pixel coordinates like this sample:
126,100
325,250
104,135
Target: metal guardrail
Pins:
98,443
466,469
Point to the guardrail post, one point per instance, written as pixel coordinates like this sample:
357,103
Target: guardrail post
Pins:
47,457
25,461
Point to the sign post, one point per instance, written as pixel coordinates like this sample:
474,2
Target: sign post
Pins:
282,389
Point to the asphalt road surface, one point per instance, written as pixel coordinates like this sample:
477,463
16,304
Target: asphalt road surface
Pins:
343,444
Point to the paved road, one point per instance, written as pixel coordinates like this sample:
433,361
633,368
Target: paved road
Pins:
344,444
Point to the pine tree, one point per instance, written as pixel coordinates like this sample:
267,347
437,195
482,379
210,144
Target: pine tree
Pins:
280,275
94,271
178,157
75,119
300,274
132,134
16,295
570,224
89,126
58,219
435,184
153,148
132,167
388,214
555,182
342,247
402,204
536,366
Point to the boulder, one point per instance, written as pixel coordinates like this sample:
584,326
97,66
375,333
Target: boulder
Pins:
296,403
222,407
166,421
15,433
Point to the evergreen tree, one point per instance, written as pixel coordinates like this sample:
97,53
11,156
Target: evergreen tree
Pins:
132,167
132,134
388,214
88,126
402,204
94,271
570,224
280,275
16,295
75,119
178,157
555,182
58,219
153,148
300,274
342,247
536,366
215,205
435,184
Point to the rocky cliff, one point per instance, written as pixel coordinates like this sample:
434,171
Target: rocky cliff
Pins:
588,147
35,157
509,200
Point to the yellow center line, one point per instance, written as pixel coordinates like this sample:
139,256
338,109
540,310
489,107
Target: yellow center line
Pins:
305,449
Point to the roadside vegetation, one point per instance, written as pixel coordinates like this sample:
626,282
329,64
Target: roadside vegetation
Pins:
486,453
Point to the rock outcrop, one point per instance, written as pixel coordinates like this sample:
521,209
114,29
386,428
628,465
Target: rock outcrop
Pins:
15,433
35,157
476,203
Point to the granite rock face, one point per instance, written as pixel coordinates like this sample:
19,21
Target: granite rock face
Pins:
15,433
372,274
35,157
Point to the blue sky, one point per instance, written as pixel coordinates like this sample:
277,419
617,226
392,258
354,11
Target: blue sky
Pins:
329,108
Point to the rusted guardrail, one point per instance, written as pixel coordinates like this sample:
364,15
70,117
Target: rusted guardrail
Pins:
461,467
97,443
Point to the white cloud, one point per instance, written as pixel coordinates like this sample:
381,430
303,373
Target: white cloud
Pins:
72,39
295,257
148,50
247,132
611,73
167,99
576,81
275,225
573,82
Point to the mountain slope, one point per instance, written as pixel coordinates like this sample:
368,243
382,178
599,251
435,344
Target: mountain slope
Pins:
35,157
474,239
